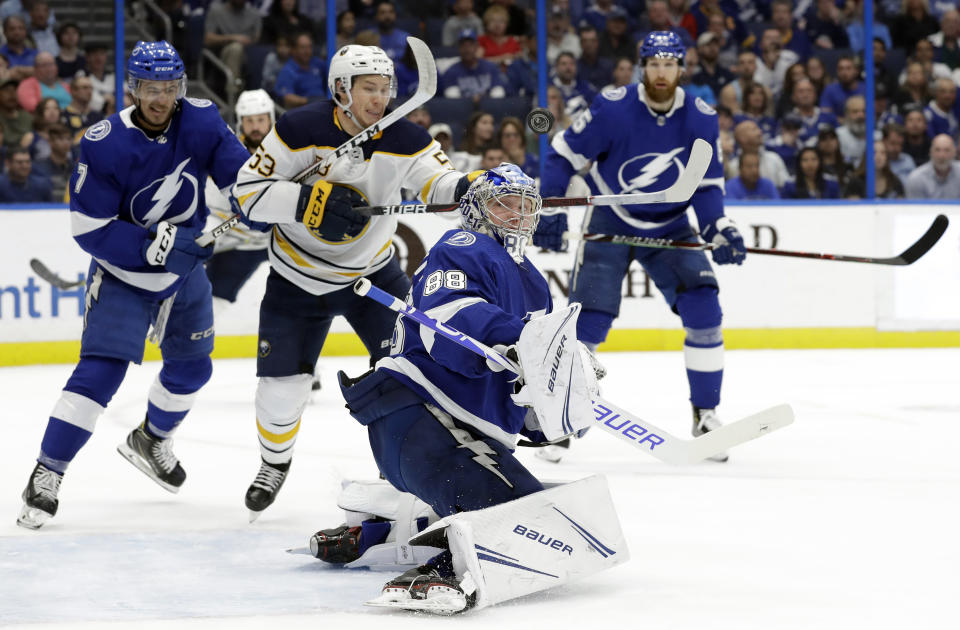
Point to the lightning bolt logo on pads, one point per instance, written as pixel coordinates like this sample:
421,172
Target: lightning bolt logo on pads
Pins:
166,198
650,171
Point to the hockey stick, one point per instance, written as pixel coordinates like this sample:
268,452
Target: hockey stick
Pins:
642,434
46,274
427,87
907,257
679,192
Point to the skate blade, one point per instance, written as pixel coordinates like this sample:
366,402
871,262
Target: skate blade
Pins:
551,454
301,551
719,458
32,518
131,456
436,603
252,515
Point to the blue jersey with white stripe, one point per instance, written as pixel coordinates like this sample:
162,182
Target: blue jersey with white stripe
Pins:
469,282
634,149
126,181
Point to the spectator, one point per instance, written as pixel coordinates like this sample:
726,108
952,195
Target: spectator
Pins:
835,95
915,87
728,45
912,24
774,61
460,160
916,142
749,184
709,72
785,103
471,77
48,113
856,32
884,112
757,108
804,106
564,76
512,138
560,36
230,27
19,184
558,108
18,54
364,10
825,26
58,166
304,77
495,45
831,159
622,74
70,60
519,25
21,10
811,181
284,19
749,139
731,96
104,83
886,184
923,52
882,75
940,177
479,134
346,29
17,125
491,157
702,10
43,84
817,73
463,19
393,40
79,114
521,75
616,40
724,119
658,19
368,37
597,13
792,39
787,143
406,74
421,116
946,42
852,134
939,112
40,29
275,61
900,163
591,67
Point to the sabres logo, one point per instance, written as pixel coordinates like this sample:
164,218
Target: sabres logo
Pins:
650,171
264,348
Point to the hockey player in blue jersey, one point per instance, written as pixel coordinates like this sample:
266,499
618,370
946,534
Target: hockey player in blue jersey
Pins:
638,138
442,423
136,206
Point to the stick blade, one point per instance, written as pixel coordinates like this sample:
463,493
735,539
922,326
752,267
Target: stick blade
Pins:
700,156
426,68
740,431
925,242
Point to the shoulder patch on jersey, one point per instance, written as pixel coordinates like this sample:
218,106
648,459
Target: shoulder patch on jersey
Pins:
703,107
199,102
615,94
462,239
98,131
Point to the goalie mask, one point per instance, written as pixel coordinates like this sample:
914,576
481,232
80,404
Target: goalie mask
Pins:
353,61
503,203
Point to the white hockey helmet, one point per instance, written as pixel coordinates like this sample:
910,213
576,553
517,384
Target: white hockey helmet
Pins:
353,61
253,102
487,208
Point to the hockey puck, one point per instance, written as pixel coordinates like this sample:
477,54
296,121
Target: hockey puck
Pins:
540,120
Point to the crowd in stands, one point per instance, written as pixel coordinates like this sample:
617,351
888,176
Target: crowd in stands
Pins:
786,78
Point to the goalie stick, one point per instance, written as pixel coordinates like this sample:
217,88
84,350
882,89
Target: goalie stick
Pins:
427,87
907,257
642,434
679,192
46,274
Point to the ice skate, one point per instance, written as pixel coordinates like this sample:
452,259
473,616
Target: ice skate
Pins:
154,458
423,588
553,453
40,497
338,545
263,491
704,421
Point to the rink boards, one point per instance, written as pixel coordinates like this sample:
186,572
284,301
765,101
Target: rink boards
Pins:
769,302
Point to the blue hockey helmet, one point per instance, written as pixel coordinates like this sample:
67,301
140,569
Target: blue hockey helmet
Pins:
504,202
156,61
663,45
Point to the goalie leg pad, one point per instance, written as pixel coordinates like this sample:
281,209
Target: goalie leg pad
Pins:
537,542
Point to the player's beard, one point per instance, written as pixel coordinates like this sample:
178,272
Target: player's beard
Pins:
663,94
253,141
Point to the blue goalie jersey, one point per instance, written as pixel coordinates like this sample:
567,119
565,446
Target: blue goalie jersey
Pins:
633,150
125,182
469,282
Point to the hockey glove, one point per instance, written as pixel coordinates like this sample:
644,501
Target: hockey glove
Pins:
174,248
464,184
728,244
328,209
549,234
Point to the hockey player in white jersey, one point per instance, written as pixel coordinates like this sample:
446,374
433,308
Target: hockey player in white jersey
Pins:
319,246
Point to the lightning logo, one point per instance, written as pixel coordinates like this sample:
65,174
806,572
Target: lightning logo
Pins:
481,450
167,192
654,165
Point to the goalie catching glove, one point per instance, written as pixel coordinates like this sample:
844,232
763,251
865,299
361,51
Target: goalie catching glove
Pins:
174,248
328,209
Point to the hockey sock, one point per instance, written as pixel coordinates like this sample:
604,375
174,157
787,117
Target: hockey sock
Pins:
173,393
703,345
279,404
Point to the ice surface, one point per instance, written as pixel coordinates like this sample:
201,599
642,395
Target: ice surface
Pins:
846,519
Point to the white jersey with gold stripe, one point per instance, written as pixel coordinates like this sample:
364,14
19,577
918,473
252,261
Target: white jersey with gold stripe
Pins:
402,156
